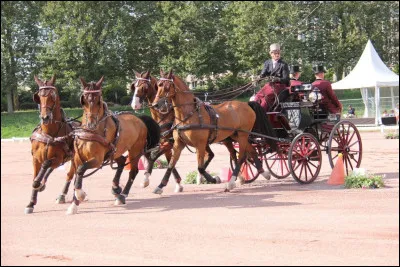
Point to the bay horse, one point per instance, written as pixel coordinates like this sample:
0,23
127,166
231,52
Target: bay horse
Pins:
145,88
199,125
105,136
51,144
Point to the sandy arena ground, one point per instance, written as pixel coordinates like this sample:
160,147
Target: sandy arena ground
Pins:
276,222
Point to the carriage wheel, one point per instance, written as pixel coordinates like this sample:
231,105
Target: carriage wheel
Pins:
248,169
305,158
277,162
345,139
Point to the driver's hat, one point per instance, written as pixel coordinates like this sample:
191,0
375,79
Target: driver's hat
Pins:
274,47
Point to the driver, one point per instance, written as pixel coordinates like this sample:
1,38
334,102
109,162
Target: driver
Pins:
279,70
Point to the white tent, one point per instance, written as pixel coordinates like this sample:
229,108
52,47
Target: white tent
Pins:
371,74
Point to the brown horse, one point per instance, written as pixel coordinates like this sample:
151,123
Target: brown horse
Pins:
198,125
101,139
51,143
145,88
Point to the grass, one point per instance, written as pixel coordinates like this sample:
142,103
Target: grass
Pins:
22,123
191,178
363,180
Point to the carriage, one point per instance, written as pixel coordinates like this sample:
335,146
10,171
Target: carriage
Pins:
304,130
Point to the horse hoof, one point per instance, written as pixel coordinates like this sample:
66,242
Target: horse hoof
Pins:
80,195
28,210
120,200
116,191
240,180
158,191
178,188
266,175
230,186
72,209
145,183
60,199
217,180
42,188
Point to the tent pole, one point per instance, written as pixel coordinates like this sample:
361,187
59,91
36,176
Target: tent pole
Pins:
377,106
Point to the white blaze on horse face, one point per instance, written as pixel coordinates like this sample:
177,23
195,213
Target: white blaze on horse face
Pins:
136,100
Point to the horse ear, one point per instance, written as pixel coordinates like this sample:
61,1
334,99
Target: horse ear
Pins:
83,82
53,79
39,82
36,98
98,84
137,74
170,74
147,74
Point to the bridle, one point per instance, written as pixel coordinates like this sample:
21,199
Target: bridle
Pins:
44,91
145,89
90,96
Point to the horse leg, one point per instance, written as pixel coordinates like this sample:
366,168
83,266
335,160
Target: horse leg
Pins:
243,143
37,186
259,165
79,194
178,179
178,147
210,156
151,157
149,170
201,166
116,189
70,175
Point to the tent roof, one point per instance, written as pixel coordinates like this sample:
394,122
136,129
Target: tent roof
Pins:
370,71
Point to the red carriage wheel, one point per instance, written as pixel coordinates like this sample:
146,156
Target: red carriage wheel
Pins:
277,162
345,138
248,169
305,159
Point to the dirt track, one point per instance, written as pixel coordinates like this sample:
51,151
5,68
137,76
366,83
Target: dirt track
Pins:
277,222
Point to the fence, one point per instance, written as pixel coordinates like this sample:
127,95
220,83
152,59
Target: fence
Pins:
358,104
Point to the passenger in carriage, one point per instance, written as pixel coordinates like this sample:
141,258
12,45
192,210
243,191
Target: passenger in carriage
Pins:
329,102
278,69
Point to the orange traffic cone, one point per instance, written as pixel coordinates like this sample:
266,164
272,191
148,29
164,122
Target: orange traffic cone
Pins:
127,167
141,165
337,175
244,172
225,175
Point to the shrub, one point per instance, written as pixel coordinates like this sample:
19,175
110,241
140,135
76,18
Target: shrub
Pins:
392,136
160,164
359,180
3,104
114,92
125,100
191,178
25,106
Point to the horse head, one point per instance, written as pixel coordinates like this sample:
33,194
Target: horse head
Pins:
144,86
92,103
48,99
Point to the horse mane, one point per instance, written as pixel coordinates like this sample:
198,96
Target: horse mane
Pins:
180,84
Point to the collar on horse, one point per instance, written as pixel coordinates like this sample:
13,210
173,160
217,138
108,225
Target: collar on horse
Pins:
65,141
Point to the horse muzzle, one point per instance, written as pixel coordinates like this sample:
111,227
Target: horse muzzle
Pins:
136,104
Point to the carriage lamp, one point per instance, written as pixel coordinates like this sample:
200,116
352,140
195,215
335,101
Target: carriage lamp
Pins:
314,96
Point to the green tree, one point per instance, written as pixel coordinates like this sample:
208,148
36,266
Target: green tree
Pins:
20,42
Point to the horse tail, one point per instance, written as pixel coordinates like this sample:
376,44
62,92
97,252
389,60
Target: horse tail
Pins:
153,131
262,124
